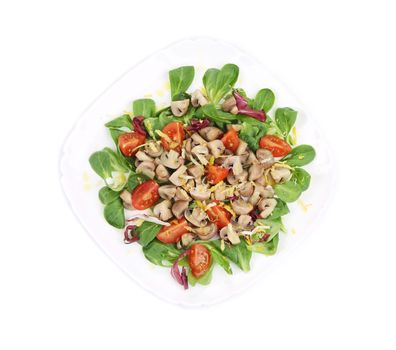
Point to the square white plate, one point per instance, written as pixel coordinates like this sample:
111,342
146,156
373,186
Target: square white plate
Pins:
150,79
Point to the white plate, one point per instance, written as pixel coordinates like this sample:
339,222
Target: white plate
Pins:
150,78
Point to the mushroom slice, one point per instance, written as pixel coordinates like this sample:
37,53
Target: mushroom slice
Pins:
242,148
142,156
228,232
171,159
255,172
167,191
200,192
254,198
210,133
126,199
198,140
235,163
201,152
242,177
196,170
252,158
229,105
176,178
162,210
179,108
162,173
265,157
186,239
207,232
153,149
280,174
197,217
244,220
198,99
182,195
178,208
216,147
265,192
246,189
267,206
241,207
146,168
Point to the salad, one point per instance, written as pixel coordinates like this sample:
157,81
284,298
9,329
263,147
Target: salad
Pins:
205,180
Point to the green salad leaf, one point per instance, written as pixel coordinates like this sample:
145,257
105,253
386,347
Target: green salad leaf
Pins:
281,209
219,82
124,121
160,253
285,119
300,156
251,132
203,280
238,254
302,178
144,107
107,195
180,80
288,191
114,213
147,232
135,180
266,248
264,100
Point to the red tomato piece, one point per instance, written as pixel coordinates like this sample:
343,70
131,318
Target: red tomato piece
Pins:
216,174
220,216
277,146
173,233
145,195
199,260
175,132
129,142
231,140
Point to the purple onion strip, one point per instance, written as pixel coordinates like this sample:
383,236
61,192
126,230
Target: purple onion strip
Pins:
138,125
198,124
243,108
180,278
128,237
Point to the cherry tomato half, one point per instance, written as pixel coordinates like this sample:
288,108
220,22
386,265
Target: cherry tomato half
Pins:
199,260
216,173
176,133
218,215
145,195
129,141
231,140
277,146
173,233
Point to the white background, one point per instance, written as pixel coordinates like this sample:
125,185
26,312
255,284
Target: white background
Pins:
59,291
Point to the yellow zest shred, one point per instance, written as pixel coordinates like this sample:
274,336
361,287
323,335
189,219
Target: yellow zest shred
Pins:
222,245
211,160
229,209
163,135
294,135
215,187
304,206
200,204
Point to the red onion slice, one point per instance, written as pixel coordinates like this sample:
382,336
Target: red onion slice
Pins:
180,278
138,125
128,236
243,108
198,124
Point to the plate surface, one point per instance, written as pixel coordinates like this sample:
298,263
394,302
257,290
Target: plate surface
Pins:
150,79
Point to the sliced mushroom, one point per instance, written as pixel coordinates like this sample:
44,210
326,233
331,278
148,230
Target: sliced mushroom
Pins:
236,127
126,199
280,174
265,192
228,233
210,133
216,148
255,172
252,158
171,159
246,189
162,210
229,105
178,208
232,179
242,148
254,198
265,158
196,171
180,108
188,145
198,140
162,173
244,220
197,217
207,232
167,191
146,168
186,239
267,206
176,178
190,184
241,207
153,149
182,195
142,156
201,152
200,192
235,163
198,99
